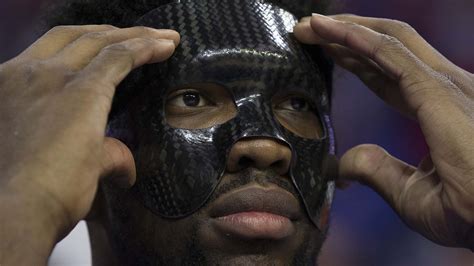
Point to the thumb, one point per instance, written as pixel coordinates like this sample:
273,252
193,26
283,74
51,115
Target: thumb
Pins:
118,163
372,165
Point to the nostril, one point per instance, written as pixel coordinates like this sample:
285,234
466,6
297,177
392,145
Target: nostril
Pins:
278,164
245,162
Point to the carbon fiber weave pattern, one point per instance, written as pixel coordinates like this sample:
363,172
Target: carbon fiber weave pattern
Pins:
246,47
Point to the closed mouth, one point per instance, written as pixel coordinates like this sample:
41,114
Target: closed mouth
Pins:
255,212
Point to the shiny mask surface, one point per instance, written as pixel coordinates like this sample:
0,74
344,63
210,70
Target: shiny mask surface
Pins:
245,47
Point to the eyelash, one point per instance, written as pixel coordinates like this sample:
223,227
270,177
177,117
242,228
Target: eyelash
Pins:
288,101
179,96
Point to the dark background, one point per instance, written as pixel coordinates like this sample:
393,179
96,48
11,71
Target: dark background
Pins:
365,231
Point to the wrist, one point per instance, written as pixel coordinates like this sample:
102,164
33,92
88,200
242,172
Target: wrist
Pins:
28,231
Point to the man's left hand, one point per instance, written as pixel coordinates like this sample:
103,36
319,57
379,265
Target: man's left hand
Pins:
437,197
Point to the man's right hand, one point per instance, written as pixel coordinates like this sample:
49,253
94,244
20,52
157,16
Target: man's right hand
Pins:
55,100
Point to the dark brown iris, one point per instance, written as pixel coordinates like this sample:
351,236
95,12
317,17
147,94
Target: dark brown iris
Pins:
299,104
191,99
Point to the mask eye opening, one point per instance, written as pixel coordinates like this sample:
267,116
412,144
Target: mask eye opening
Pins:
198,105
298,113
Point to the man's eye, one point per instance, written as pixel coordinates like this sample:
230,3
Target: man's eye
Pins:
295,104
188,99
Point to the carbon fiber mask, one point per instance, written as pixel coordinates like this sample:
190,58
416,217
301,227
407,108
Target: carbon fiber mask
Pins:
247,48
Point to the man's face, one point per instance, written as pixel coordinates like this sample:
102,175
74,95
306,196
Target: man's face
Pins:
216,97
255,214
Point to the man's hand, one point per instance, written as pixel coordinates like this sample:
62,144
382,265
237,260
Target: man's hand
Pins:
55,100
437,198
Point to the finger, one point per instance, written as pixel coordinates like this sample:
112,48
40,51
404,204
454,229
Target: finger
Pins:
429,56
118,164
80,52
414,42
59,37
98,80
115,61
403,32
419,84
373,166
366,69
431,97
305,33
370,73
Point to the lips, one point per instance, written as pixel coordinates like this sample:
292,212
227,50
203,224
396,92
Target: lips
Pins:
256,212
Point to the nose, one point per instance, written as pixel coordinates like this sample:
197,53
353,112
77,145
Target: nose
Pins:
261,153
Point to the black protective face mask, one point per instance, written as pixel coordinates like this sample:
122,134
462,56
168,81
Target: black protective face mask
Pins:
246,47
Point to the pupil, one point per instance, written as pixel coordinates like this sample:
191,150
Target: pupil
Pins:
298,104
191,99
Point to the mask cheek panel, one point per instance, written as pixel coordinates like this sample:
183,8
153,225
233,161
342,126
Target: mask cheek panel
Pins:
188,170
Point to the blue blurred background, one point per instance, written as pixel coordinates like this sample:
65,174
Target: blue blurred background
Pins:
364,230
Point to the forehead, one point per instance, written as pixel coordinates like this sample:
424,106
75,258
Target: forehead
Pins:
228,42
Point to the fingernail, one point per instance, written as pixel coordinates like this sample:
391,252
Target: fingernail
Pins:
168,42
322,17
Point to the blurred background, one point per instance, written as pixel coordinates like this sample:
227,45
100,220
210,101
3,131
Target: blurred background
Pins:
364,230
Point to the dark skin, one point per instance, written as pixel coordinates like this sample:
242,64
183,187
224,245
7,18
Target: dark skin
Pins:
196,237
71,153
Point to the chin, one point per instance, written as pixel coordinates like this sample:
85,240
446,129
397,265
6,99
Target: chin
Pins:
260,259
139,237
298,258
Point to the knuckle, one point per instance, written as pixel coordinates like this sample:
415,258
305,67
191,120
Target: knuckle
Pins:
400,27
121,52
143,30
34,77
117,48
367,156
97,36
389,40
129,46
456,80
393,27
386,44
108,26
352,28
47,74
449,80
350,24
